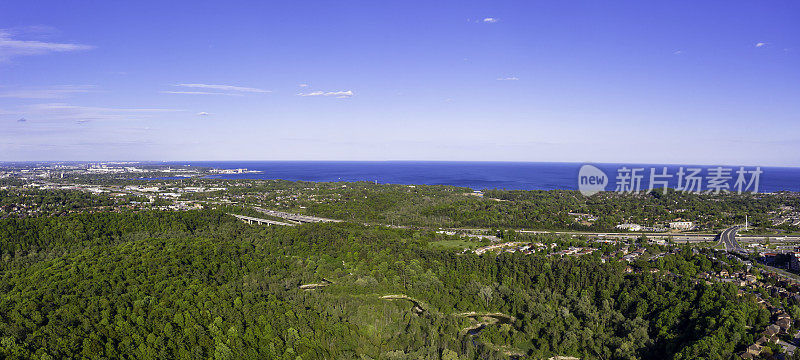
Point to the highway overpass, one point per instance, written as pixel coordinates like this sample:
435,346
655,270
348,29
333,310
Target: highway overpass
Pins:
254,220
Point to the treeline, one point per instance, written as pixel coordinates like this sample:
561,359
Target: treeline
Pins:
28,240
436,205
538,209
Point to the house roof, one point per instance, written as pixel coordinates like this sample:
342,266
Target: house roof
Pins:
772,330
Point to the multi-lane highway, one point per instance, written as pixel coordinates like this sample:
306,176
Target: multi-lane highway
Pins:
728,239
253,220
297,218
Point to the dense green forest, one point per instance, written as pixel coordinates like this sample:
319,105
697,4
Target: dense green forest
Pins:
200,285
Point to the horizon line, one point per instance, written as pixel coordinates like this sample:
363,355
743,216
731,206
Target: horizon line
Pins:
415,161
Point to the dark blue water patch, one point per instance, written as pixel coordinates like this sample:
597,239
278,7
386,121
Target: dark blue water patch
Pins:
474,175
165,178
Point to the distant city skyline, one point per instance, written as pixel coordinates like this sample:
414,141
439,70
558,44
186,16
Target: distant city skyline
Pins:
624,82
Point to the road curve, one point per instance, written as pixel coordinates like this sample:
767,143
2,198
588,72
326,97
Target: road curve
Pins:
728,239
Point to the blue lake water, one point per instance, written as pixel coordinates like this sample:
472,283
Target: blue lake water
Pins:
479,175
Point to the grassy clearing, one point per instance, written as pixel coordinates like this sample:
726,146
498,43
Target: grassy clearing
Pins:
456,244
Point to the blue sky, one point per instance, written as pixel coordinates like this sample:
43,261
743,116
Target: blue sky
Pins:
713,82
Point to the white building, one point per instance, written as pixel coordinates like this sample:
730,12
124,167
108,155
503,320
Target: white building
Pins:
630,227
681,225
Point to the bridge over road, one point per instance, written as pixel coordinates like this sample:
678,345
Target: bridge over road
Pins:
253,220
295,217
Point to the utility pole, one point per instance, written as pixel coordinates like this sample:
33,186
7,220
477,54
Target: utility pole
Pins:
745,222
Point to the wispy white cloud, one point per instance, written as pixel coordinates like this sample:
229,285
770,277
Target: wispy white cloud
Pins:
509,78
38,31
303,85
225,88
53,92
338,94
760,44
62,106
56,112
200,93
10,46
677,52
489,20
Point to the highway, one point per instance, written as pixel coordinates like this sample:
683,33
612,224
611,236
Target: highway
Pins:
728,239
253,220
297,218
